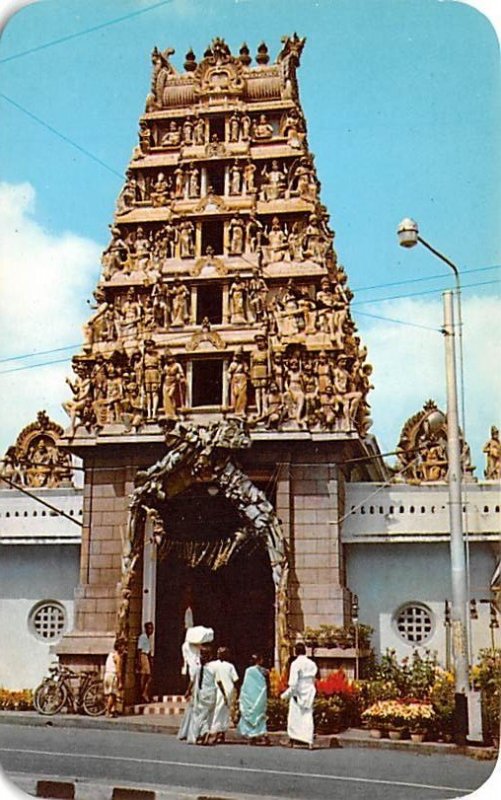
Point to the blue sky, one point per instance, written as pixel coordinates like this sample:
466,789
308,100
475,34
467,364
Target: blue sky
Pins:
403,105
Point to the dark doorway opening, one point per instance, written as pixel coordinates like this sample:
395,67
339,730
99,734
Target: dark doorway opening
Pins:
236,600
212,235
210,304
207,382
215,178
217,128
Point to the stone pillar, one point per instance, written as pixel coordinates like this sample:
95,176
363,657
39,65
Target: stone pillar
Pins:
318,591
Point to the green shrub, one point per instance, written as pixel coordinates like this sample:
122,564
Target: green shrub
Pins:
277,714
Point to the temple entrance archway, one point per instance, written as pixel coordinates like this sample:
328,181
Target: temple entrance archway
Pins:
236,598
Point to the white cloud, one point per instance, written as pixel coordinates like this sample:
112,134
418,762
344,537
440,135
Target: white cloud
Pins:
409,365
45,278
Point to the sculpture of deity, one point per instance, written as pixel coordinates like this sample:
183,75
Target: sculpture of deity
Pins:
114,394
275,410
308,309
99,378
289,311
132,406
160,191
129,316
235,178
161,305
127,197
329,407
144,137
278,370
292,128
179,183
261,128
294,395
277,241
339,316
115,255
238,379
236,231
249,177
188,131
151,378
199,131
234,127
253,232
193,181
174,386
180,304
492,450
172,137
257,292
304,178
186,239
260,373
77,408
142,248
273,183
170,239
323,371
295,243
93,328
314,241
237,302
325,303
246,124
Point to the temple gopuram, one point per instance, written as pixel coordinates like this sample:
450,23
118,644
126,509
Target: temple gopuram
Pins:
221,399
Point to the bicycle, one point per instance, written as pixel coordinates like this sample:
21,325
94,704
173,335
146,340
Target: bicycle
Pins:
56,691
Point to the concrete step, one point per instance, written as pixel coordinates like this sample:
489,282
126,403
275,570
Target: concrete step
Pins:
171,705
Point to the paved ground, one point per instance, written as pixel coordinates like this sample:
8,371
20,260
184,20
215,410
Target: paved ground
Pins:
101,758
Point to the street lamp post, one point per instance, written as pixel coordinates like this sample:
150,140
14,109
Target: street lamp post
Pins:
408,234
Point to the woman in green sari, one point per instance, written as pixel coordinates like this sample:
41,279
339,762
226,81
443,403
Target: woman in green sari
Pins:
253,702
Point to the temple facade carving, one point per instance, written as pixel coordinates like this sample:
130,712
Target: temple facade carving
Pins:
221,304
35,460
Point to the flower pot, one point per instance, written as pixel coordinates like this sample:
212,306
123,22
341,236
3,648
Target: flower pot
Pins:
375,733
417,737
395,734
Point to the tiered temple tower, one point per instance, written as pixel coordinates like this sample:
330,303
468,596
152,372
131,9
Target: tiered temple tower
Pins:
223,363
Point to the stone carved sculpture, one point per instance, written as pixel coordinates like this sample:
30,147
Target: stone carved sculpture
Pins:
261,128
162,68
237,235
492,450
237,298
174,386
35,460
273,182
238,374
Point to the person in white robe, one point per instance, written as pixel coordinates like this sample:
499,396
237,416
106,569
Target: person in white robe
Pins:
226,680
196,725
301,694
197,638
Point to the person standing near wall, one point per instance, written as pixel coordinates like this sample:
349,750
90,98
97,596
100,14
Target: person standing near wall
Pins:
226,680
301,694
113,678
145,661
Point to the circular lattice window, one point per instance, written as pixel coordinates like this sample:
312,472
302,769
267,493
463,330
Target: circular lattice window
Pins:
414,623
47,621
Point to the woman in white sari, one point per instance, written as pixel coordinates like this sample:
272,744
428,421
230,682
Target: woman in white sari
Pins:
197,721
301,694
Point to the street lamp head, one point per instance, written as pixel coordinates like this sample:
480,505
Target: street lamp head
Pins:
408,233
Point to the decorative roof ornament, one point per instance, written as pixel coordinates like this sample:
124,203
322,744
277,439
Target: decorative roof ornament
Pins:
35,460
422,447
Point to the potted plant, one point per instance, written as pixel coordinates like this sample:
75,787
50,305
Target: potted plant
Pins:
419,718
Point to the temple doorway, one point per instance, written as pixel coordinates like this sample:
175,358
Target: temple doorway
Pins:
237,599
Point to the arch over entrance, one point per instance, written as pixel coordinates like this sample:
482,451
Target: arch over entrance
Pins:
249,543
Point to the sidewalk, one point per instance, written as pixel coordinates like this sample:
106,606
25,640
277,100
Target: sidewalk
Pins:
353,737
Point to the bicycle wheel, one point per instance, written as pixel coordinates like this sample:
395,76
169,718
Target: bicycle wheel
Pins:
50,697
93,702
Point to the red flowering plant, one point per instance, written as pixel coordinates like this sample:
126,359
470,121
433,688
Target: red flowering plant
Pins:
341,692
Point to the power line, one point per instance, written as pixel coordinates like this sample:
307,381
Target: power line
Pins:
399,321
42,502
94,28
417,294
33,366
40,353
61,135
424,278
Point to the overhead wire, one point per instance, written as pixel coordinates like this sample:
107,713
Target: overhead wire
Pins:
77,34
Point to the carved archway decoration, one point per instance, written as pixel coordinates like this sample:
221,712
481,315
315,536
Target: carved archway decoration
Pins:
206,452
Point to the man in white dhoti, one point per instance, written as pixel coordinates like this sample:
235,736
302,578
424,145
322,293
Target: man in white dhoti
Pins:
226,680
301,694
